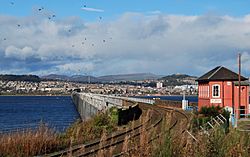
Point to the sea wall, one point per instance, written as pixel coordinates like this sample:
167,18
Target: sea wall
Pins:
88,104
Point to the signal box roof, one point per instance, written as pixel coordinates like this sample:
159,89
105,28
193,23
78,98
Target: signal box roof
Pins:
220,73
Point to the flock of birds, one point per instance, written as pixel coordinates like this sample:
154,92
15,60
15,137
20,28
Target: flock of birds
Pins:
50,16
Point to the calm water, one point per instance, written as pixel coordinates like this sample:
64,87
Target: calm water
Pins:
19,112
175,98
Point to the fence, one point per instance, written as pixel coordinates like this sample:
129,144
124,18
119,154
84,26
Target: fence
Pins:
239,115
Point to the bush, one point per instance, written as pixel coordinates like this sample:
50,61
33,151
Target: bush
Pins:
114,115
207,113
82,132
211,111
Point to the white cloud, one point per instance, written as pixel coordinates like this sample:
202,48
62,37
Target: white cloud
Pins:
92,9
155,12
134,42
19,53
77,68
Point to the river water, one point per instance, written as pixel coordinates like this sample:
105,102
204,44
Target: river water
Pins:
58,112
20,112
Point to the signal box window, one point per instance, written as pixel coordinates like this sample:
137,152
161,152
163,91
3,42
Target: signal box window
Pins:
216,91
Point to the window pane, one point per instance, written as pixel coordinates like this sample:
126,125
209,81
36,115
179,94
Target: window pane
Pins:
216,90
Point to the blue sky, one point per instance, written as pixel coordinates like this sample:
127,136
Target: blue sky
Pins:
113,8
132,36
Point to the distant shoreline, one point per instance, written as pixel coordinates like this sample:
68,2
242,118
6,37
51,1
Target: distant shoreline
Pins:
33,95
161,95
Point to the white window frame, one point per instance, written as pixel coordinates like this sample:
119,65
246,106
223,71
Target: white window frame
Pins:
208,91
218,90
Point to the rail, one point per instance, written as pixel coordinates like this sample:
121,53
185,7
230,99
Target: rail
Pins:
117,139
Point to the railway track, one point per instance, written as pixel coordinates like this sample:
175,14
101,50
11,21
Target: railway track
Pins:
181,119
156,116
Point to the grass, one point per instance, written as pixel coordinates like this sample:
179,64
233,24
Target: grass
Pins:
44,140
221,141
29,143
91,129
218,143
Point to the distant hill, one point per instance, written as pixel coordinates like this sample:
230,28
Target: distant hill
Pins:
106,78
55,77
74,78
177,76
29,78
129,77
83,78
178,79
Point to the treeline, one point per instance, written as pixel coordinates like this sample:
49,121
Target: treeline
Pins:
28,78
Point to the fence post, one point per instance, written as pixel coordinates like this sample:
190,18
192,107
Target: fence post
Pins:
191,135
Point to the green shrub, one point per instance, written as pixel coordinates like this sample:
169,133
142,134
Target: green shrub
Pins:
210,111
114,115
207,113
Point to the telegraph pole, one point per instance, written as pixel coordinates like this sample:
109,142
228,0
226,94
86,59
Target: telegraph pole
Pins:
239,92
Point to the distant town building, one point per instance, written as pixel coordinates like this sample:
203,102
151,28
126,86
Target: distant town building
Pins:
159,85
219,87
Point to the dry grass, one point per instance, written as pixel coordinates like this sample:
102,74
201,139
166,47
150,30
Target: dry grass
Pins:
102,152
132,146
217,144
82,132
44,140
30,143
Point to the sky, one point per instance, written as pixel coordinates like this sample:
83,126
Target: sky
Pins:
94,37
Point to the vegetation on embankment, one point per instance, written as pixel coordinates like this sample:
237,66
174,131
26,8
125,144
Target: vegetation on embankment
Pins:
206,114
220,141
44,140
216,144
82,132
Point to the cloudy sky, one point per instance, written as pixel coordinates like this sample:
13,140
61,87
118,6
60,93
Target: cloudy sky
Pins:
118,37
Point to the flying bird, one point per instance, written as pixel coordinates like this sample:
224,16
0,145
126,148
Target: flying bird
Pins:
4,38
12,3
93,45
40,9
104,41
19,25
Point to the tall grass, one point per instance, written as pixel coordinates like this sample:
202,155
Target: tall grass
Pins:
30,143
217,144
138,146
91,129
44,140
165,142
